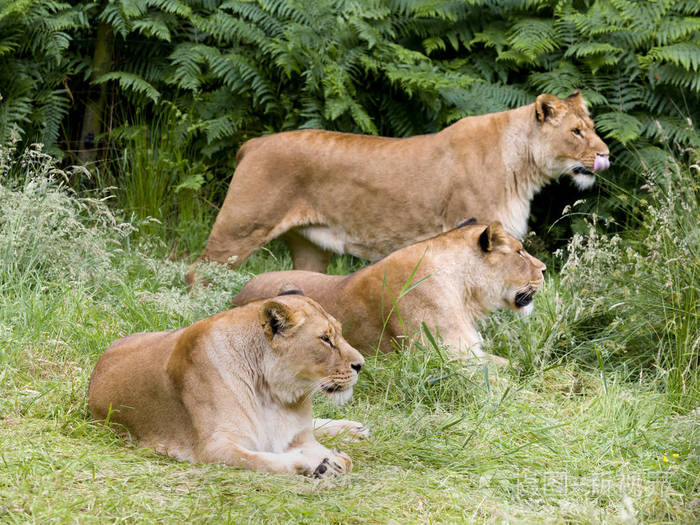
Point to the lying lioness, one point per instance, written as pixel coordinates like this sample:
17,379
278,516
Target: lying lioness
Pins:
449,281
369,196
234,388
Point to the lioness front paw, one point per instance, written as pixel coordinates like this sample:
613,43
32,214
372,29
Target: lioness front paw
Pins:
344,428
339,463
355,431
342,460
324,469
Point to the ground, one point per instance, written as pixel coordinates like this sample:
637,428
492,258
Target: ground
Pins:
594,421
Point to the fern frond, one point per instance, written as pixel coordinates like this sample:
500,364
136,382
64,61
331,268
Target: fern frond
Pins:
674,76
586,49
684,54
241,75
676,28
648,159
113,16
560,81
493,36
188,60
9,44
153,25
131,82
533,37
171,6
253,13
675,129
219,128
132,8
622,127
52,110
484,97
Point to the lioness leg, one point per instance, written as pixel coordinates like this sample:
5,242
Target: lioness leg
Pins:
291,462
463,342
241,228
350,430
464,348
305,254
310,458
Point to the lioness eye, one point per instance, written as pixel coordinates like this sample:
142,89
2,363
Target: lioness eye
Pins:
326,340
577,132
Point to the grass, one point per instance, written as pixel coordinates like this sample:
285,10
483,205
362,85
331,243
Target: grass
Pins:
585,427
157,183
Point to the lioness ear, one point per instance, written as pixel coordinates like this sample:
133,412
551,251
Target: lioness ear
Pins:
492,237
546,107
575,94
290,289
468,222
277,318
577,99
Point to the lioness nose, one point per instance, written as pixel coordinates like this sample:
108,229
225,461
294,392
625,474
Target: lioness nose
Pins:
357,367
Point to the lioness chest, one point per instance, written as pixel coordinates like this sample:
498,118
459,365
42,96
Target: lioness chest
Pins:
277,427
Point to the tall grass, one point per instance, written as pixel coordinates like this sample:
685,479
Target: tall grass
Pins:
644,285
625,300
60,249
158,184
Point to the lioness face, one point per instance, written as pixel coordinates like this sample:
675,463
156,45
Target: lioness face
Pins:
310,347
569,141
520,274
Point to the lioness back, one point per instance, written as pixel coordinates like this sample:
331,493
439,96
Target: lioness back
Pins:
270,284
131,373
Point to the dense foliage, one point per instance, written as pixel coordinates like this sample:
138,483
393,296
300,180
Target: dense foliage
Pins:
396,67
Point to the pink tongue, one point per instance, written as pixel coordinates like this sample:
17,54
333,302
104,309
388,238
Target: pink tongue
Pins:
600,163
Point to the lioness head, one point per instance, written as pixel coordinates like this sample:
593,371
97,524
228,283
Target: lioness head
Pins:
309,351
569,141
512,274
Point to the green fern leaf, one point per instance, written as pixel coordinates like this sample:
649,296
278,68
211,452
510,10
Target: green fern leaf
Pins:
586,49
153,25
620,126
532,37
130,82
672,75
685,55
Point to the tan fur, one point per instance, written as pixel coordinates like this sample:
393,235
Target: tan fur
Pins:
462,274
234,388
369,196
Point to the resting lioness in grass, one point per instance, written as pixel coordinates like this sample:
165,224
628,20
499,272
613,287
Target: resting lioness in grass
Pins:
449,281
369,196
234,388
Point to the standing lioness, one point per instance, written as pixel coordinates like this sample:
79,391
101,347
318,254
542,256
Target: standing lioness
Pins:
234,388
369,196
449,282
